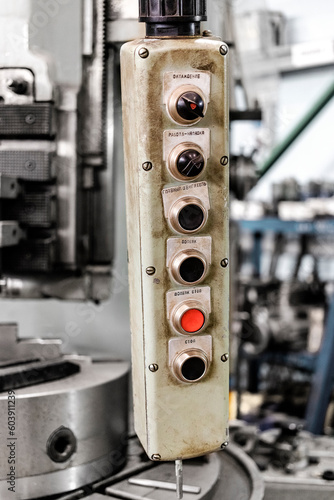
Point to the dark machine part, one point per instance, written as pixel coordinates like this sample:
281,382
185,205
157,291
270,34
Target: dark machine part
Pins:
280,327
170,18
56,186
294,464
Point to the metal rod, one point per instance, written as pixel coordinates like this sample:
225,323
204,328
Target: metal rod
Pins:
124,495
278,150
164,485
179,478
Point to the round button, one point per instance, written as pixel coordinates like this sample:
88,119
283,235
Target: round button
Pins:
191,217
189,267
191,365
192,269
189,317
190,106
187,105
186,161
192,320
193,369
187,215
190,163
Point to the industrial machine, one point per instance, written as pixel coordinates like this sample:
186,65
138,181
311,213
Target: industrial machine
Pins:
64,418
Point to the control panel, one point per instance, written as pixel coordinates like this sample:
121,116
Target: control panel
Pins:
175,113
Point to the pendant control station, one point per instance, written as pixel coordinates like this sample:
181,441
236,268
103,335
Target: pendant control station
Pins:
175,114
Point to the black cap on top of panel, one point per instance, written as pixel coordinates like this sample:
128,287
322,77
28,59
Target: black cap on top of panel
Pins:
170,18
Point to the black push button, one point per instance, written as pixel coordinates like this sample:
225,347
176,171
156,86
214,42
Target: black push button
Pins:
190,163
192,270
190,106
191,217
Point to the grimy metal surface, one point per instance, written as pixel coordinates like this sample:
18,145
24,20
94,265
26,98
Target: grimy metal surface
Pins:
173,419
92,405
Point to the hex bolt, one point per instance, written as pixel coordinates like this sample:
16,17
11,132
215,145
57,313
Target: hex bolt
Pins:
224,262
150,270
147,165
224,160
143,52
223,49
153,367
30,119
61,445
224,357
224,445
156,456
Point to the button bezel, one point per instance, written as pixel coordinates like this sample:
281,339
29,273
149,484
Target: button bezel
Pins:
180,309
174,156
173,100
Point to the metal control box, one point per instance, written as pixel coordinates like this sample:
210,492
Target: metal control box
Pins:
175,112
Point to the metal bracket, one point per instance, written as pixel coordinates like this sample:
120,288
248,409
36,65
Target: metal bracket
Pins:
10,233
9,187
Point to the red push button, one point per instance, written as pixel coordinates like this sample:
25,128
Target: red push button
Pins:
192,320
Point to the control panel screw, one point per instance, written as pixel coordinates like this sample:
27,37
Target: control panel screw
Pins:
143,52
156,456
223,49
207,33
147,165
150,270
30,119
224,262
224,445
224,357
153,367
224,160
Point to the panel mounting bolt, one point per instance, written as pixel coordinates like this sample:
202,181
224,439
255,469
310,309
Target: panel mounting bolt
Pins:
143,52
153,367
224,357
224,160
223,49
150,270
224,445
30,165
147,165
156,456
224,262
30,119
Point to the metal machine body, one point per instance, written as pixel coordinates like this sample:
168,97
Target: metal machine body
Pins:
177,261
64,432
56,220
67,415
